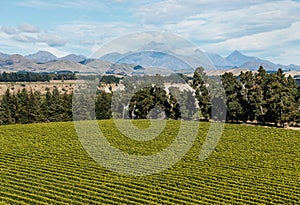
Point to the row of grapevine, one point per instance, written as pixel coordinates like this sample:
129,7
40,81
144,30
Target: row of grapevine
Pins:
46,164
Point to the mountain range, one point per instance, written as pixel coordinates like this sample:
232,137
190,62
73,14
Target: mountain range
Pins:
171,60
140,62
238,60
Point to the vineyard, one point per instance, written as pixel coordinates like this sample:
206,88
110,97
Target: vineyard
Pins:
46,164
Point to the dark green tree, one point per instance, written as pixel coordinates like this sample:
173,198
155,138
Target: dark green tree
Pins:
233,90
67,106
259,95
280,99
35,112
103,105
186,103
248,98
8,108
201,92
22,115
151,102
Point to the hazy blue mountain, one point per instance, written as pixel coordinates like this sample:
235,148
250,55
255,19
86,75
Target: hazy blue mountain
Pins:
111,57
73,58
4,56
41,57
156,46
219,61
161,55
236,58
292,67
240,60
155,54
254,65
155,59
149,61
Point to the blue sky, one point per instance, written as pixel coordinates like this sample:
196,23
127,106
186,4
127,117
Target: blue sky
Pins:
266,29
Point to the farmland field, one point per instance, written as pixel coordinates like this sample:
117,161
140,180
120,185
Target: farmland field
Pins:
46,164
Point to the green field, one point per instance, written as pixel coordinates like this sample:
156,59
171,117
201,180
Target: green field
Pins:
46,164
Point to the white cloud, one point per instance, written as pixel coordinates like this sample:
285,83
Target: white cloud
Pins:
75,4
91,35
25,44
167,11
28,28
262,27
52,40
25,38
290,56
267,28
225,24
264,40
9,30
273,45
23,28
27,33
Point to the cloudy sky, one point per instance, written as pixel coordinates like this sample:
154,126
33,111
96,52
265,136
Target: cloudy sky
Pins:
266,29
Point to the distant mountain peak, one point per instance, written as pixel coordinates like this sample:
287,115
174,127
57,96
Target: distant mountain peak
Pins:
4,56
219,61
41,57
236,58
73,58
43,52
154,43
157,46
235,53
133,62
112,57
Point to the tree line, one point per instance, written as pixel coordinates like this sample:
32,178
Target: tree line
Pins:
24,76
30,107
252,97
261,97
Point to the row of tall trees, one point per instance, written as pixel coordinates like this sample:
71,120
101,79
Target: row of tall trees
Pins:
31,107
259,96
24,76
263,97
